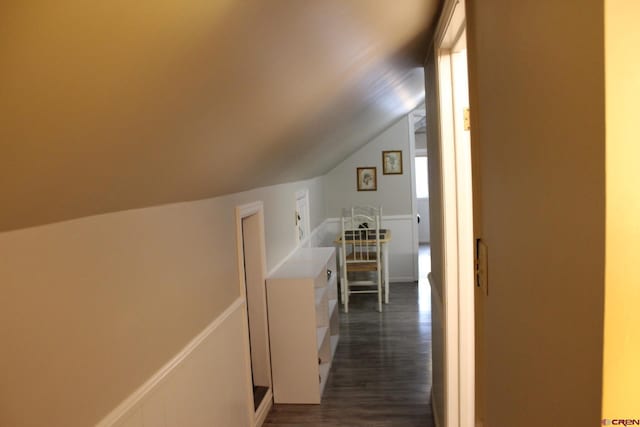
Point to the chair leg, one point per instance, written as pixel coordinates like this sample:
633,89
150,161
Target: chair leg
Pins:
346,294
344,288
379,292
385,267
342,267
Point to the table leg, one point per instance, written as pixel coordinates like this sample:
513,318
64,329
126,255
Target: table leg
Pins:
341,267
385,261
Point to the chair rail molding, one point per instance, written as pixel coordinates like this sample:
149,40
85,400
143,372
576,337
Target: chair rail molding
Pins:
133,407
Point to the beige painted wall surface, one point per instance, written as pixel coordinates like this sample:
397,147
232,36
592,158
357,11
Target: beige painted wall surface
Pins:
279,214
537,76
91,308
394,191
161,92
622,292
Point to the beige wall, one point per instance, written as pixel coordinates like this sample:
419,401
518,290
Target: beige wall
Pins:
394,191
91,308
622,317
536,75
162,93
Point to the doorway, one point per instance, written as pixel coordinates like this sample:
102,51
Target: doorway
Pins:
454,400
252,269
421,176
421,201
422,194
302,216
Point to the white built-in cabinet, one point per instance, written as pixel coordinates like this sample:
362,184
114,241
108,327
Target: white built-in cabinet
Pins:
302,298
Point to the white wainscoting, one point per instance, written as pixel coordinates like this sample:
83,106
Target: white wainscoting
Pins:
402,255
322,236
204,385
317,238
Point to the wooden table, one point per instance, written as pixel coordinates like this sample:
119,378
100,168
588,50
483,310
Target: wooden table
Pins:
385,237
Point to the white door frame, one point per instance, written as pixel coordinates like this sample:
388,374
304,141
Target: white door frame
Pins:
414,199
257,416
458,252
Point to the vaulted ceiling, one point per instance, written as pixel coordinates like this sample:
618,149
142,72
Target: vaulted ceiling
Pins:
124,104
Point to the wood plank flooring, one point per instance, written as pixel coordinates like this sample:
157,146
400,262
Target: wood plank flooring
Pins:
381,375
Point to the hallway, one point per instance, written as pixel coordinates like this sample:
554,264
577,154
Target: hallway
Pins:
382,369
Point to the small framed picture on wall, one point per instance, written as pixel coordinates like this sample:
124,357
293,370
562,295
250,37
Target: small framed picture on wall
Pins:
367,179
392,162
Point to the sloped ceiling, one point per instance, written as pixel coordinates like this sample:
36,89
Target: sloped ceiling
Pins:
107,106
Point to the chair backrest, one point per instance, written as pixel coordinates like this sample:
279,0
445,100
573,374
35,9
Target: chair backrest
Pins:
363,213
360,237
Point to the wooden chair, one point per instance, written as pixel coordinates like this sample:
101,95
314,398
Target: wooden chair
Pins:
361,256
359,214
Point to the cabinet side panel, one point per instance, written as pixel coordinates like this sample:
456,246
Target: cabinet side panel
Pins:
292,331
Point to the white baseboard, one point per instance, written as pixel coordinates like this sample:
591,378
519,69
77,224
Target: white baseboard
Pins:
264,408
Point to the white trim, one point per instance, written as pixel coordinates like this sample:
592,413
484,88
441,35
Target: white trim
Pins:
278,265
450,249
264,408
137,396
309,238
242,212
249,209
450,17
459,395
414,199
465,247
404,217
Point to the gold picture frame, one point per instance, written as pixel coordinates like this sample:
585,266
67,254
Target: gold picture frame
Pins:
366,178
392,162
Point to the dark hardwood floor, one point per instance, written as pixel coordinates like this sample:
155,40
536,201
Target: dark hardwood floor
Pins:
381,375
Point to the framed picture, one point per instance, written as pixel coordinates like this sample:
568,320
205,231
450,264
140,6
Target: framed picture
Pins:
367,179
392,162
